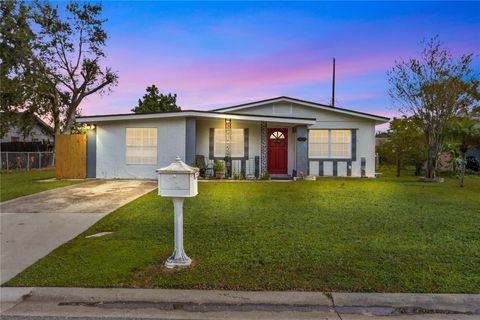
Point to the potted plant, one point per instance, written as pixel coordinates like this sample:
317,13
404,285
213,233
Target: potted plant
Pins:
219,168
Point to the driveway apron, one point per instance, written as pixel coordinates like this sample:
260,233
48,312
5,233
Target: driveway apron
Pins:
34,225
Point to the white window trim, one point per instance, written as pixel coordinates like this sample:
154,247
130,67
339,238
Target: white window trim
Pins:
329,143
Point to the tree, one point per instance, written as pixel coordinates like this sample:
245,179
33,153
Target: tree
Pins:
153,101
406,143
434,88
60,64
15,54
463,133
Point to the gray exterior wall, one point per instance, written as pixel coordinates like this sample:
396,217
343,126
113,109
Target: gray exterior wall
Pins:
111,147
364,137
190,140
188,137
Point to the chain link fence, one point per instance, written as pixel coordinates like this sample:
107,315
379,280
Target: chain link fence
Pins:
26,160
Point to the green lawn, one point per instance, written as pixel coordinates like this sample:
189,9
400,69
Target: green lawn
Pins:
384,235
22,183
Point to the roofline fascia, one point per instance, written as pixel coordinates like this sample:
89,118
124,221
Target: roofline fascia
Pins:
379,119
199,114
45,125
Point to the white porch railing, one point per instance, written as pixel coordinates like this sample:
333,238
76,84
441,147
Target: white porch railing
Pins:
237,170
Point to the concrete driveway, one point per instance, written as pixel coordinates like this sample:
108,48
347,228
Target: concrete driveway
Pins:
34,225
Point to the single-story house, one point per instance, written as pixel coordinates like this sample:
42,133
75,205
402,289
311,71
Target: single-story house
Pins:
282,136
38,130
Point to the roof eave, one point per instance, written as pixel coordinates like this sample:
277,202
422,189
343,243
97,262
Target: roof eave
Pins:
377,119
198,114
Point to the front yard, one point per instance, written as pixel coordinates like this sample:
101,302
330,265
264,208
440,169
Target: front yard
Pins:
386,235
22,183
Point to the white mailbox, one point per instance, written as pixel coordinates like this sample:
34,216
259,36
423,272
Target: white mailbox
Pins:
178,180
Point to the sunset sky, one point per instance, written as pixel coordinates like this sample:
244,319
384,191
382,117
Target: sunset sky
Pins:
218,54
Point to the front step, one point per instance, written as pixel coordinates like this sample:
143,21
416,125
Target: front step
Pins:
281,177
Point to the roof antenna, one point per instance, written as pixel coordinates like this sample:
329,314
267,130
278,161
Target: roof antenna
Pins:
333,85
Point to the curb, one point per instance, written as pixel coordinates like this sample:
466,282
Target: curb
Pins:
91,295
411,302
14,294
457,303
349,303
10,297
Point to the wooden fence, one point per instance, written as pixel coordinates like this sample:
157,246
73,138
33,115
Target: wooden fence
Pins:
71,156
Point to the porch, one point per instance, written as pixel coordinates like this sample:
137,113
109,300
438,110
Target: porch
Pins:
248,148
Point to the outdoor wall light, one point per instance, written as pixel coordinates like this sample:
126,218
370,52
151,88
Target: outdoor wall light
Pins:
227,120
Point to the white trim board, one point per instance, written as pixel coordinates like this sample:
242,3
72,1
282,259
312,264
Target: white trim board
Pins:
378,119
198,114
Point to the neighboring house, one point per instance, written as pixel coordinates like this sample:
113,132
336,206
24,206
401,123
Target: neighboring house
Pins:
281,136
40,132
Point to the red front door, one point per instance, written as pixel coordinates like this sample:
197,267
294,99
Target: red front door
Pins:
277,151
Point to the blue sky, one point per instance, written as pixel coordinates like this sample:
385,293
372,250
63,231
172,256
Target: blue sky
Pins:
215,54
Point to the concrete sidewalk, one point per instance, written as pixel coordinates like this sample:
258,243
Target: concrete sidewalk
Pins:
218,304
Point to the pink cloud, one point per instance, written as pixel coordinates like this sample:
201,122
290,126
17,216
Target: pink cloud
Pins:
204,82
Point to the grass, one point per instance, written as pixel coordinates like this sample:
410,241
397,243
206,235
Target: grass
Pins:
377,235
22,183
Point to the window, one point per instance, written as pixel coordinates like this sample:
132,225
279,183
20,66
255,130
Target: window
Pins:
236,144
318,143
330,144
340,143
141,145
14,139
277,136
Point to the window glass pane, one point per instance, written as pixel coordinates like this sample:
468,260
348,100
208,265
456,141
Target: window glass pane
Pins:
318,136
237,143
341,150
219,143
141,145
318,150
341,136
277,135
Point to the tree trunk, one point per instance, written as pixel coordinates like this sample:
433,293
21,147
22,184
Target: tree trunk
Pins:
431,164
418,168
462,169
67,129
399,166
434,147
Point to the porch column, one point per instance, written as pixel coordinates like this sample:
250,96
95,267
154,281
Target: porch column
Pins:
92,153
228,148
263,147
190,140
301,156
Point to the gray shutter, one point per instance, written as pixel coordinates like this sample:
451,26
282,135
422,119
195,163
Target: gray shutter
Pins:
245,143
354,145
210,146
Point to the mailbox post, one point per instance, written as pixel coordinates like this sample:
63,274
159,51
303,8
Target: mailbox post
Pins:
178,181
